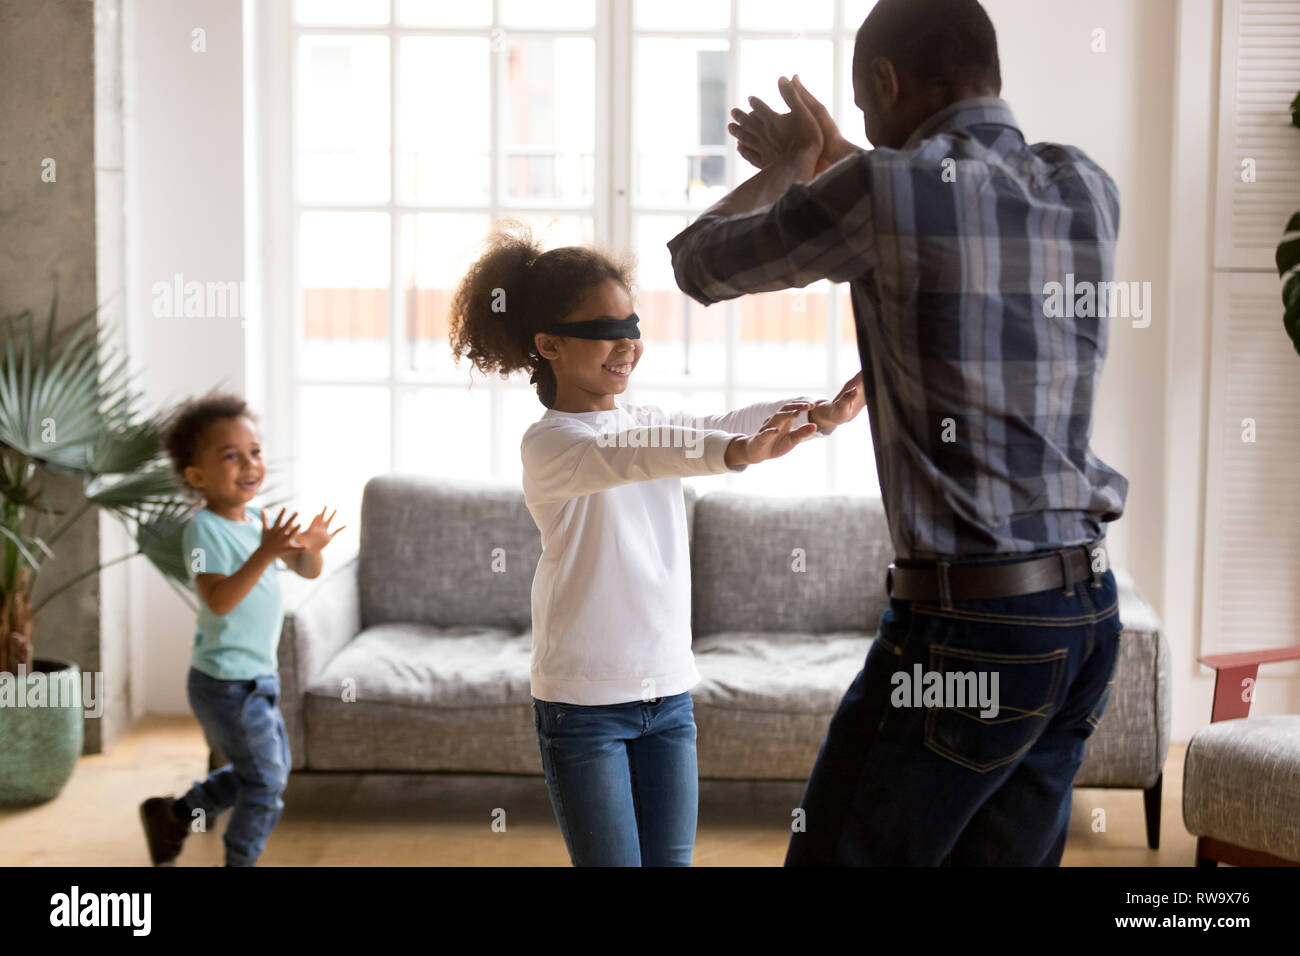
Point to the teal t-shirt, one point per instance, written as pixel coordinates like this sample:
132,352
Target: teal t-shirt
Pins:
240,645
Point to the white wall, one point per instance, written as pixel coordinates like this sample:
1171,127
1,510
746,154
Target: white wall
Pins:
186,210
184,155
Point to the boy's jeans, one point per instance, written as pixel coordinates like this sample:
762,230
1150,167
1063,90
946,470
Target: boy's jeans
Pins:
623,779
242,719
900,784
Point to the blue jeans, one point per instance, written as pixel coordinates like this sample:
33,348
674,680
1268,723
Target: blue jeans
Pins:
242,719
944,784
623,779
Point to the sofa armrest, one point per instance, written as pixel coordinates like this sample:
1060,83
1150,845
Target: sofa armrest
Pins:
320,616
1234,678
1131,742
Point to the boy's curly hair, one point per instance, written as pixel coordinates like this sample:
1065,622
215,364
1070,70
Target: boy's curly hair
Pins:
516,290
183,432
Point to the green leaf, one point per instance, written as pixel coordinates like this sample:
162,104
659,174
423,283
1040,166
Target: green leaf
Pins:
134,492
1291,318
1288,255
127,450
22,549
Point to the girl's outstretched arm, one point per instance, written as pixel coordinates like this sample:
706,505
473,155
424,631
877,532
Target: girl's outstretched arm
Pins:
565,459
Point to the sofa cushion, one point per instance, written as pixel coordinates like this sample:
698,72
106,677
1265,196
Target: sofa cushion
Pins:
426,699
778,672
1241,784
421,666
446,553
747,550
764,700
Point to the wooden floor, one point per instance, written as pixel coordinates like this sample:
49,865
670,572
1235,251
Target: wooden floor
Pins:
396,820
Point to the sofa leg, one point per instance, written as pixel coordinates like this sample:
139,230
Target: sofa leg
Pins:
1151,802
1202,854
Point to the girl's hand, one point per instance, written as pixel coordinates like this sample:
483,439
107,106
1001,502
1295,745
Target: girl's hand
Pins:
765,137
844,407
318,533
278,539
773,439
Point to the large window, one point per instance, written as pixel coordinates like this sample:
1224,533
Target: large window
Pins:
417,123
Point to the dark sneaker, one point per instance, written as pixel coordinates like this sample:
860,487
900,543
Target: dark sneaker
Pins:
163,832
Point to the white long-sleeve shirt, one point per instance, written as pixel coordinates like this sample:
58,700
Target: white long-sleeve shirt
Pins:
611,598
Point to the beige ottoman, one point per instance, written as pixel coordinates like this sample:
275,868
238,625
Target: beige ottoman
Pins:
1241,791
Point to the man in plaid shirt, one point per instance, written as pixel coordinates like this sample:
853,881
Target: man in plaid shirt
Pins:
980,398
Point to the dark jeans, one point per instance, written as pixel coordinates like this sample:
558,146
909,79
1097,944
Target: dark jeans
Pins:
900,784
242,719
623,779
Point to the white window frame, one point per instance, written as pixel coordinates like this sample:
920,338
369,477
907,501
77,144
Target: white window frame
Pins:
275,347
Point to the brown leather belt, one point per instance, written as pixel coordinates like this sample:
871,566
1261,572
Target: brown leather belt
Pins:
942,582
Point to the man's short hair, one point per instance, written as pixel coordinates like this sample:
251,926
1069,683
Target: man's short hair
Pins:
945,43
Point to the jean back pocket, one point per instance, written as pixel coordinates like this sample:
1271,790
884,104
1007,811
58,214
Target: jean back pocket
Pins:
994,705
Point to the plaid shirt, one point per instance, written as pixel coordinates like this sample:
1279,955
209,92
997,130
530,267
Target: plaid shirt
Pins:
980,401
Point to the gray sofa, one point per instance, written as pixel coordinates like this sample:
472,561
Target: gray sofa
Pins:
414,654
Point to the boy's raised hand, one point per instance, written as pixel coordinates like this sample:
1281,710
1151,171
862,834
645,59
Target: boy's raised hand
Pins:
318,533
844,407
773,439
278,539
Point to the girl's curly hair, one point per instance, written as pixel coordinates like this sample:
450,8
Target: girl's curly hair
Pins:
516,290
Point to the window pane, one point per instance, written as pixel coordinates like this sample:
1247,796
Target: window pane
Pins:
850,120
343,271
520,409
783,336
763,62
342,119
854,462
684,343
853,468
683,14
848,361
445,13
551,13
437,250
364,12
801,471
784,15
681,107
437,167
554,231
855,11
550,119
446,431
331,471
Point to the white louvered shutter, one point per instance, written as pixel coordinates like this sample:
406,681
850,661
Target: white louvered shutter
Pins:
1251,591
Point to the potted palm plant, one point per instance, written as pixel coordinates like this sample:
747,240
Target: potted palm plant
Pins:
1288,261
66,408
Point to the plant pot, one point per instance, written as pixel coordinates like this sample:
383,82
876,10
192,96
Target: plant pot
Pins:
40,731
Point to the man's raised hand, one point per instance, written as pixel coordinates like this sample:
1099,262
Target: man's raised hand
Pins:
763,136
844,407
